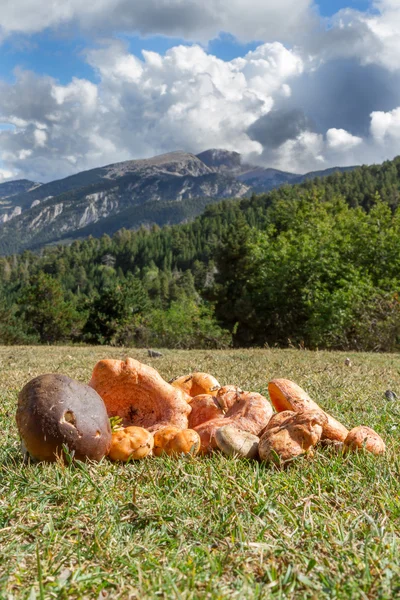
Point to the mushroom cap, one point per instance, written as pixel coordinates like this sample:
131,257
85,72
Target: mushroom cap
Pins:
173,441
195,384
292,436
207,432
277,420
233,441
249,412
287,395
227,396
139,395
54,410
365,437
204,408
130,443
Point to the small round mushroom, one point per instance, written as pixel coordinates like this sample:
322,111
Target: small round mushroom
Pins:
234,442
55,411
287,395
130,443
285,439
364,437
195,384
139,395
173,441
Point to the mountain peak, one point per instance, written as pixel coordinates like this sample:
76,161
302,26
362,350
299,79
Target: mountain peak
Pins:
220,159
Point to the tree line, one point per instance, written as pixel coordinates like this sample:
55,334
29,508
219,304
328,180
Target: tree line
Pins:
315,265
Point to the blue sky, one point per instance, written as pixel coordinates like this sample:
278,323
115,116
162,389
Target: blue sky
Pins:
291,84
61,53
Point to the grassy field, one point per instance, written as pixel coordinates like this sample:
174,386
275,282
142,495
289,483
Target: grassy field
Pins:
327,527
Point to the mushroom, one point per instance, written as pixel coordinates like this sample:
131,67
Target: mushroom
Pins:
195,384
364,437
234,442
55,411
287,395
174,441
204,408
139,395
249,412
130,443
292,435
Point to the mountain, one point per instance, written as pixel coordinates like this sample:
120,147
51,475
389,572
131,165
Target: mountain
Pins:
19,186
166,189
67,208
8,190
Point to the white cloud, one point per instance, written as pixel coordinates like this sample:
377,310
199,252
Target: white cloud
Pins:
260,105
385,127
187,99
340,139
198,20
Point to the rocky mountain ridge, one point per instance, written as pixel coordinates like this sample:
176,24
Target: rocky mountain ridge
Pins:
163,189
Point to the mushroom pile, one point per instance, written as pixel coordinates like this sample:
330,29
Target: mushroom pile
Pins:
190,415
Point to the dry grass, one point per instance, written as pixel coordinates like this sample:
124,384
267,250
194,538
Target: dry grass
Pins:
210,527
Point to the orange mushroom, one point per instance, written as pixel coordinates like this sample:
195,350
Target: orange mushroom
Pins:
195,384
204,408
287,395
131,443
174,441
139,395
249,412
288,437
364,437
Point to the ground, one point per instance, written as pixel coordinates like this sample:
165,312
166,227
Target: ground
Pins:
327,527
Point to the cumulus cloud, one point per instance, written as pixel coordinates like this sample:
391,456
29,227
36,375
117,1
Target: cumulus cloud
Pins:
196,20
187,99
340,139
322,100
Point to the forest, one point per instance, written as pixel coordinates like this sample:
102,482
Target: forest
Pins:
314,265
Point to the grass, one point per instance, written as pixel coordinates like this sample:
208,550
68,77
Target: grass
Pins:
216,527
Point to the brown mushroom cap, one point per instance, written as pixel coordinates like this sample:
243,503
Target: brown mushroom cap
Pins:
292,436
204,408
195,384
130,443
173,441
287,395
54,410
139,395
364,437
249,412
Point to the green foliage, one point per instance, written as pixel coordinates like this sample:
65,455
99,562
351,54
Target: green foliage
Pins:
185,325
48,315
113,309
316,264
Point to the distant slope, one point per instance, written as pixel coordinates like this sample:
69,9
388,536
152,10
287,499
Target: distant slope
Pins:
169,188
71,213
19,186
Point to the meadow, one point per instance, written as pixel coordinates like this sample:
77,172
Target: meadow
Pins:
213,527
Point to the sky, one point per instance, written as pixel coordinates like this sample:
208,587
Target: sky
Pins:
296,85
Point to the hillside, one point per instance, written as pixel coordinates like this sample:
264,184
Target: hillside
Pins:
315,264
165,189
